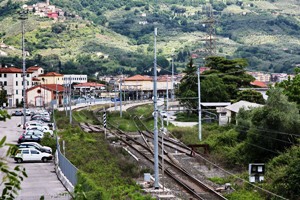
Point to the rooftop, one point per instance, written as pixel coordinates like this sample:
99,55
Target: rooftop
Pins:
138,77
242,104
51,74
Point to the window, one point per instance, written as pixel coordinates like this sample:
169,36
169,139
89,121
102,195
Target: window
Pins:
28,83
34,151
17,75
17,92
42,72
28,75
0,75
16,83
5,83
22,92
25,151
4,75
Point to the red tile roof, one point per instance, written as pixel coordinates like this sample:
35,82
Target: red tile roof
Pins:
35,79
51,74
89,84
138,78
259,84
33,68
51,87
12,70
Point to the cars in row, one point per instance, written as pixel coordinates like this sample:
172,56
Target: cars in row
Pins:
28,145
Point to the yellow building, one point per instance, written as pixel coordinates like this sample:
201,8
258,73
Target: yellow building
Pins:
52,78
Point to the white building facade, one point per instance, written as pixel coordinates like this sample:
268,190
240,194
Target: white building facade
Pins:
11,79
75,78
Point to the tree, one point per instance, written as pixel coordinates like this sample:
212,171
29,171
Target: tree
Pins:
250,95
213,89
291,87
232,72
11,177
187,91
3,96
273,127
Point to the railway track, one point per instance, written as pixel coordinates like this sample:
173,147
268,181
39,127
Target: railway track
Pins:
144,147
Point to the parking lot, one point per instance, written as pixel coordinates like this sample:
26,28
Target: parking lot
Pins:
42,179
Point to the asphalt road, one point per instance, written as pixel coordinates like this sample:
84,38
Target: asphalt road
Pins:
42,179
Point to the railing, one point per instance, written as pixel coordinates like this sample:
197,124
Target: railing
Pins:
65,170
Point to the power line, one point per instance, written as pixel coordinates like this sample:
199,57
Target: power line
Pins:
273,131
272,138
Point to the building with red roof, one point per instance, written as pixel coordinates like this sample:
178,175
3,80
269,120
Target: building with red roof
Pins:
89,88
43,95
51,78
11,79
260,84
35,70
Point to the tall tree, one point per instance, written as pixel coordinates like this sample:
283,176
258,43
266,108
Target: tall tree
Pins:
291,87
272,129
250,95
187,91
232,72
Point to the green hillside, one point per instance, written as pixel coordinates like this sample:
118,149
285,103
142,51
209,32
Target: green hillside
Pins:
110,35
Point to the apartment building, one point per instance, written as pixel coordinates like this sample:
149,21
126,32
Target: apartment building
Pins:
11,79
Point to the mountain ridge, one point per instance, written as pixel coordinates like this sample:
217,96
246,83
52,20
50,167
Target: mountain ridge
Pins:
260,31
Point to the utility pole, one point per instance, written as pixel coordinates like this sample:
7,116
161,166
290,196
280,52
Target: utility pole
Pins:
199,105
162,150
115,98
156,169
23,17
121,96
172,95
167,100
70,107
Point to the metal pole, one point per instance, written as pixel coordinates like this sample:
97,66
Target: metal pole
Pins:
44,95
23,17
172,95
162,151
56,96
115,96
121,97
70,106
167,100
156,169
199,105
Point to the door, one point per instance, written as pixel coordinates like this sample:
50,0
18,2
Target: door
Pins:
35,155
39,101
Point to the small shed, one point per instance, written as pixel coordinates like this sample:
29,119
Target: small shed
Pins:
234,108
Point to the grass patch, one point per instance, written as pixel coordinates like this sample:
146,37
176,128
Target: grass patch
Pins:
105,172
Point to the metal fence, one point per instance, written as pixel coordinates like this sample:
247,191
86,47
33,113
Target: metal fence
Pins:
64,166
67,168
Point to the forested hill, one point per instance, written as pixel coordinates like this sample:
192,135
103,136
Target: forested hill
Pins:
107,36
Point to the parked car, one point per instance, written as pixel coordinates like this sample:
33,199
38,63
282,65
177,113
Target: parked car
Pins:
44,129
28,154
29,138
37,133
28,112
34,145
17,113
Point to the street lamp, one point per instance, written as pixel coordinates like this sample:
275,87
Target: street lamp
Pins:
23,17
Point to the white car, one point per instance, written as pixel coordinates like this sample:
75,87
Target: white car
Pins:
35,145
44,129
37,133
28,154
